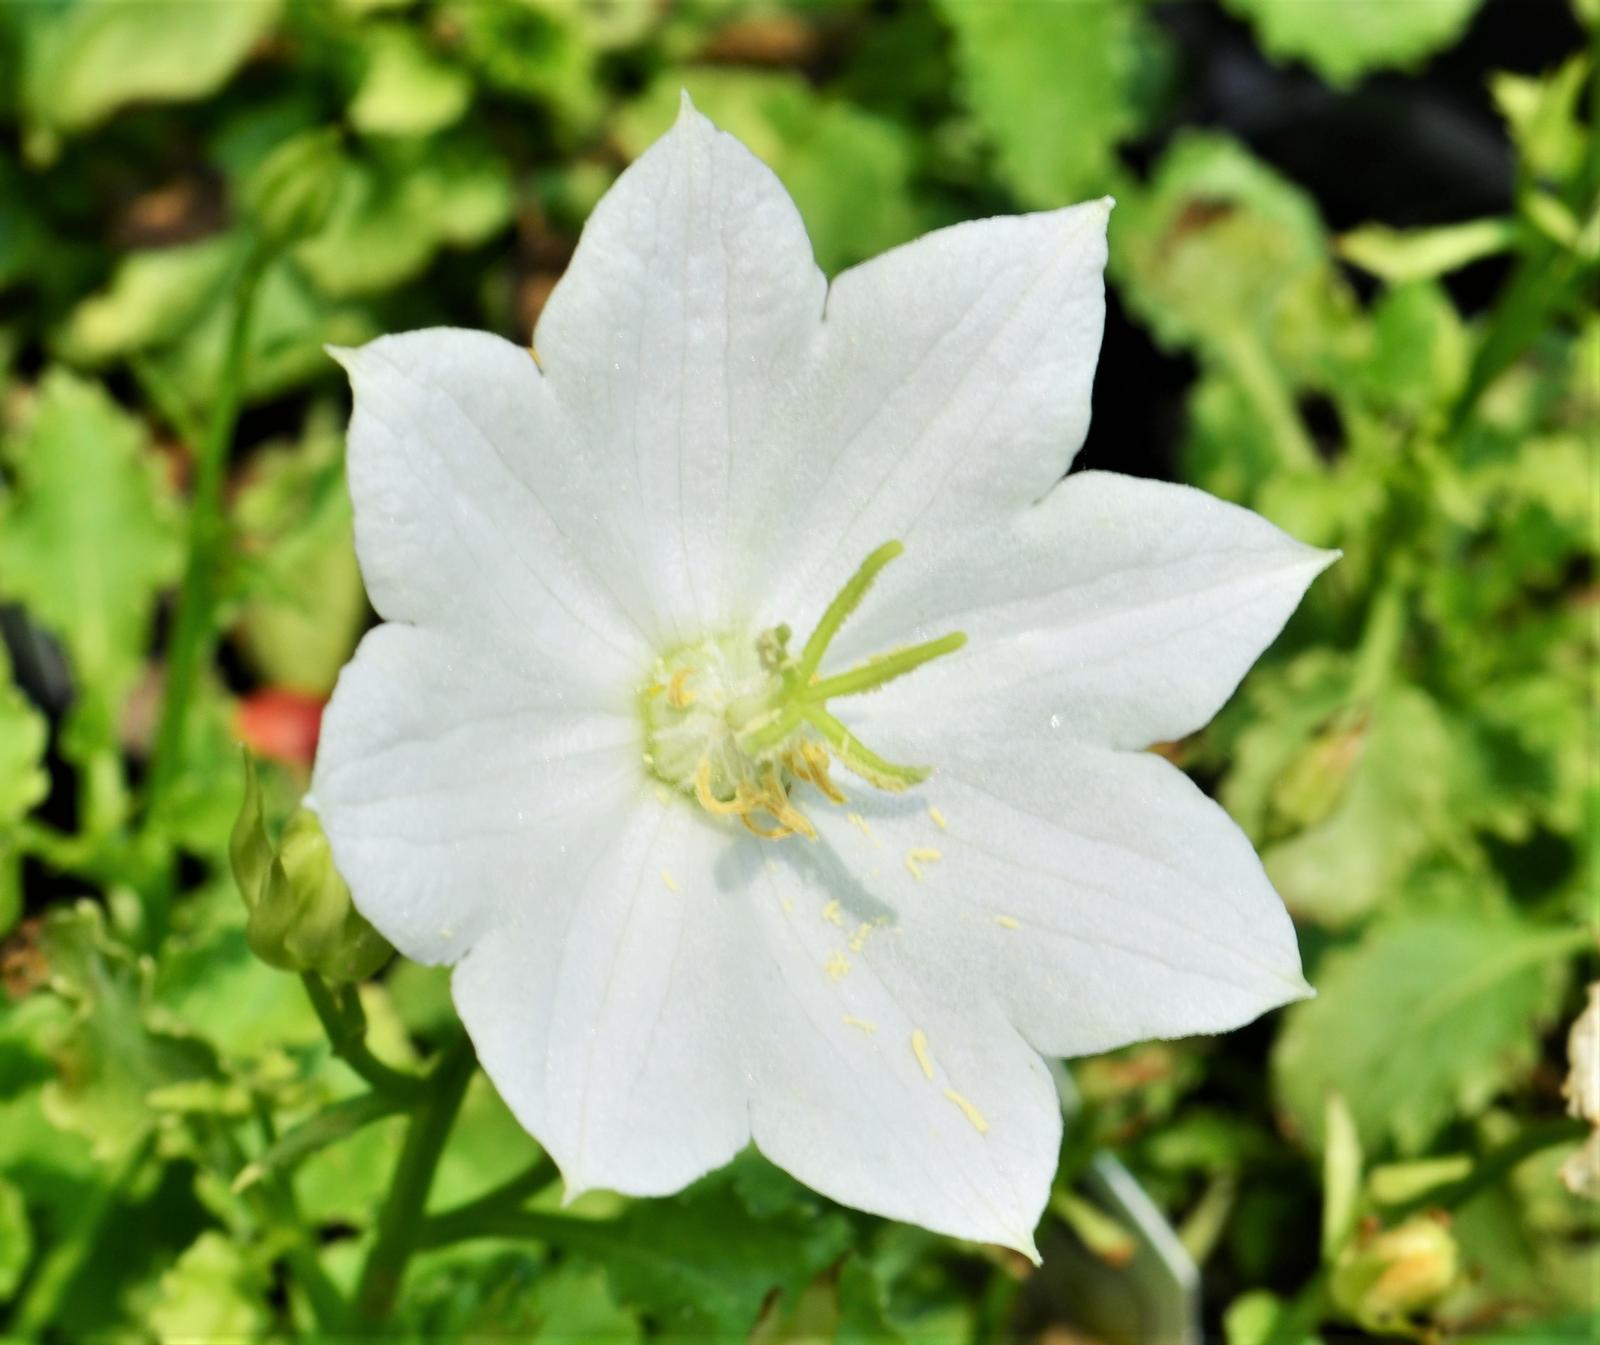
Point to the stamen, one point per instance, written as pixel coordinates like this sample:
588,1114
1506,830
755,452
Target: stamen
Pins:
883,668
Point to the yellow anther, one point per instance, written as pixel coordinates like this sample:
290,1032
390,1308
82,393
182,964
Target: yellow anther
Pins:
837,966
679,697
968,1110
709,801
766,833
1006,921
915,859
938,818
860,1024
919,1048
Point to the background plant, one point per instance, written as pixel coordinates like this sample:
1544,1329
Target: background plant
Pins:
1354,263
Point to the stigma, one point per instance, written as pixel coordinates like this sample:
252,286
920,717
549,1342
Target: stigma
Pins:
737,724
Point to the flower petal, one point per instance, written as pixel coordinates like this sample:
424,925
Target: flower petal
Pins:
672,341
1116,611
607,1013
878,1086
443,775
1098,895
473,512
950,384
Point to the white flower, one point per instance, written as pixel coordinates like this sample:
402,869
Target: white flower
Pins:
583,763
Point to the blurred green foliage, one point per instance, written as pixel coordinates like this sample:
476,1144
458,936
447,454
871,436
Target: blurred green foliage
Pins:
1414,759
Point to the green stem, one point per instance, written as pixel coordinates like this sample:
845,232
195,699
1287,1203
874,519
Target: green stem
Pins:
40,1305
1494,1165
461,1222
1253,371
194,627
346,1026
275,1207
400,1222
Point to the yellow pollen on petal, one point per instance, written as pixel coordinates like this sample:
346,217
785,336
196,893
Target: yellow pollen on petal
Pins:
669,881
979,1123
1006,921
938,819
788,906
858,940
837,966
915,859
861,825
860,1024
919,1048
830,913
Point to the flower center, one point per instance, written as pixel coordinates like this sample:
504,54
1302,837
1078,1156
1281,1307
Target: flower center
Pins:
738,721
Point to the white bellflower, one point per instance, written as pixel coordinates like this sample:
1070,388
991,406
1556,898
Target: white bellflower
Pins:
613,757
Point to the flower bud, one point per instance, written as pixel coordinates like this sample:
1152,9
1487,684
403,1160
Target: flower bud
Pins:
1380,1279
301,917
291,193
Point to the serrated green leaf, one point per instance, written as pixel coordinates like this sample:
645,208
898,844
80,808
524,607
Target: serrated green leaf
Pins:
88,540
846,169
1056,87
87,58
112,1057
1343,39
1424,1019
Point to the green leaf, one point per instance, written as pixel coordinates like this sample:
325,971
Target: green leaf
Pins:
88,540
1400,255
305,605
23,783
1219,244
698,1261
846,169
16,1238
214,1291
87,58
1056,87
1426,1018
153,298
1383,792
111,1058
1343,39
398,207
406,89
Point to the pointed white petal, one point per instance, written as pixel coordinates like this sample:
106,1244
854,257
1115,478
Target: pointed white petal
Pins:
443,776
950,385
1116,611
1097,895
896,1093
607,1011
672,341
474,511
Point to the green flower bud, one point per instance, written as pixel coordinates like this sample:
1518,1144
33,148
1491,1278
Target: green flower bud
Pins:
1380,1280
301,917
291,193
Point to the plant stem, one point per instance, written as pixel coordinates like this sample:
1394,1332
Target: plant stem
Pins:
1494,1165
194,625
400,1221
458,1223
346,1027
1253,371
